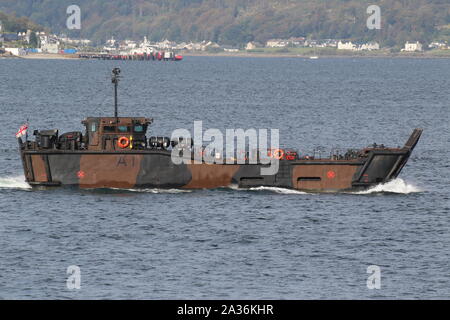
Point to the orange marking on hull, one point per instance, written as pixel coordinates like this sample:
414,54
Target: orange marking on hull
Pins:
331,174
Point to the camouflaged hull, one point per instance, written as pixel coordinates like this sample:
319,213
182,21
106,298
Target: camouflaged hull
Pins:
154,168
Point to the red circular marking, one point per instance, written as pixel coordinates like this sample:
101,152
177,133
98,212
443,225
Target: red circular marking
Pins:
80,174
331,174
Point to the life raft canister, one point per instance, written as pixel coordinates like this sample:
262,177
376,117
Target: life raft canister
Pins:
290,155
123,142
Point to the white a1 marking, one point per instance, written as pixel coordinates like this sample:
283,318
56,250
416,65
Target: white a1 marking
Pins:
74,279
374,21
374,280
74,20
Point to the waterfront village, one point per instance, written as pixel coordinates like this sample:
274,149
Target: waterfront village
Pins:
23,44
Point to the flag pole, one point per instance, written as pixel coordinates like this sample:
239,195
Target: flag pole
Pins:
26,132
115,81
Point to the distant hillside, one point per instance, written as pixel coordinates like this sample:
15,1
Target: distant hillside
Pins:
11,23
239,21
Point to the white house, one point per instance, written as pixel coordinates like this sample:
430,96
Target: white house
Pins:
111,42
438,45
166,44
210,44
297,41
194,46
47,39
181,46
252,45
355,47
346,46
370,46
277,43
50,48
413,46
68,40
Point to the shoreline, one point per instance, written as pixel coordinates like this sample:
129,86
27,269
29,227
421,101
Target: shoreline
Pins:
50,56
324,56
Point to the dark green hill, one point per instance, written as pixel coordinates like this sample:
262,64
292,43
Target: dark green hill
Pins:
11,23
239,21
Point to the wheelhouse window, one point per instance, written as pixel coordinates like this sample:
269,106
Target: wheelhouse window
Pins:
93,126
109,129
139,128
123,128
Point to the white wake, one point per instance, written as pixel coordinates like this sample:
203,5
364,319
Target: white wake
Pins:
265,188
277,190
14,182
153,190
395,186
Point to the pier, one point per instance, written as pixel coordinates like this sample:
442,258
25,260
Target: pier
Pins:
155,56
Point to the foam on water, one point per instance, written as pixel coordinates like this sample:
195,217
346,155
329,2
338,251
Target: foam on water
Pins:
277,190
154,190
398,186
264,188
395,186
14,182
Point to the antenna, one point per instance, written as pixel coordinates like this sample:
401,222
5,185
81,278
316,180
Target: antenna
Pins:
115,79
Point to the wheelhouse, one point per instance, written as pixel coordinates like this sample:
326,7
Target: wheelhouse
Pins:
111,133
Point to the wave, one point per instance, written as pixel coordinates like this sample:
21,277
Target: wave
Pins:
395,186
152,190
14,182
277,190
232,187
398,186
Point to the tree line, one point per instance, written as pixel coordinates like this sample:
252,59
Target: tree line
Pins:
13,24
235,22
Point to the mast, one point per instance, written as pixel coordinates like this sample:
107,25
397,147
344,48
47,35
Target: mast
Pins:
115,80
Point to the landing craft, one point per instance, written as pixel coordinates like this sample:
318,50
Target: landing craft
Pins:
115,152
